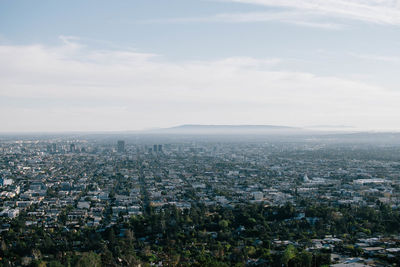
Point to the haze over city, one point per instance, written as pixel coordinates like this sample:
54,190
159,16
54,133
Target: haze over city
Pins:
132,65
199,133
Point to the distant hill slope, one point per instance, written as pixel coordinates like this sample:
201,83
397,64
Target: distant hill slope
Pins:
229,129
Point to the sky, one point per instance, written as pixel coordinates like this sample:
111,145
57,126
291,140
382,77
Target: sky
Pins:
99,65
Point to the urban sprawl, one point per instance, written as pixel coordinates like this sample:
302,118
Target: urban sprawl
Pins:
75,201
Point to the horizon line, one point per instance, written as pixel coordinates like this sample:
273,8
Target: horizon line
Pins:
152,130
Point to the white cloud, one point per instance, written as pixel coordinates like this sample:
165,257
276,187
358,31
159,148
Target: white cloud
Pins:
324,14
373,11
385,59
123,90
290,17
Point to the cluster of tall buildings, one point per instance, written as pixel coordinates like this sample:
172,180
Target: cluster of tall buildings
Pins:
156,147
54,148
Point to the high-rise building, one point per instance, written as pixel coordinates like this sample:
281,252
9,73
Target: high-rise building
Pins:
121,146
72,148
159,148
155,148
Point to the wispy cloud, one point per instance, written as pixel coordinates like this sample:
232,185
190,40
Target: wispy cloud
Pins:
372,11
131,90
324,14
386,59
289,17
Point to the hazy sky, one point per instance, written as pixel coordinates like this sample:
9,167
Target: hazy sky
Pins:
128,65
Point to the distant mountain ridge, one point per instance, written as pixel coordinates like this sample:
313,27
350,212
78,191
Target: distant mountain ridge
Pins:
222,126
228,129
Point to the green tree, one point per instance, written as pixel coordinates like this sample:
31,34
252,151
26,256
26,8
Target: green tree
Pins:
89,259
289,254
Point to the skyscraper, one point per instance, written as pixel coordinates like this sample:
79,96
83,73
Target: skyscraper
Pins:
120,146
